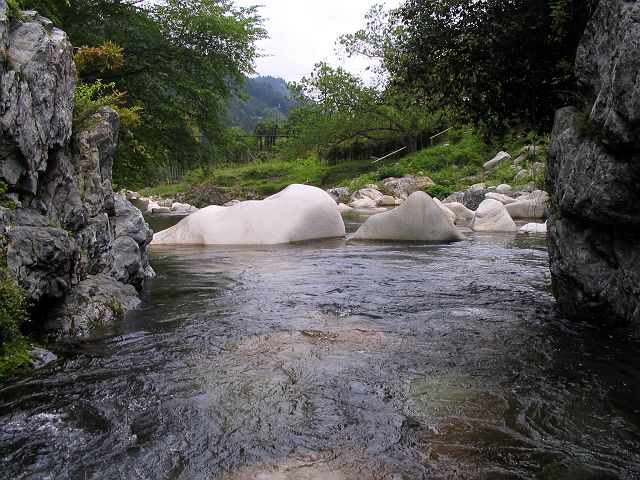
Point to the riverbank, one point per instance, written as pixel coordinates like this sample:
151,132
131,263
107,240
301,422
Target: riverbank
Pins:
454,165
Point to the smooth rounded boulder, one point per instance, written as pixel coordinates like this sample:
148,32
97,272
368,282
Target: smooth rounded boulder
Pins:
461,212
298,213
534,205
492,216
417,219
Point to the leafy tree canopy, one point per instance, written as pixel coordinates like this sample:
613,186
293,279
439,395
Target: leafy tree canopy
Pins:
497,63
347,119
180,61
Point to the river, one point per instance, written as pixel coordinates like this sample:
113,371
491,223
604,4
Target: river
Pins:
335,360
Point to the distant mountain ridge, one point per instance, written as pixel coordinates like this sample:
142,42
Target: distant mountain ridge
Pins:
261,98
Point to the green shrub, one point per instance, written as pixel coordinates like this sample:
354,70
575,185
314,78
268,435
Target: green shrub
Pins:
440,191
362,181
387,171
14,347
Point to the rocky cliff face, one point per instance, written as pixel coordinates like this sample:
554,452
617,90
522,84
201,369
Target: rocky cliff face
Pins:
76,247
593,175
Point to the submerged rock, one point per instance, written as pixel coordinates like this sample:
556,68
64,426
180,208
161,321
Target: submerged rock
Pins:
41,358
417,219
299,212
492,216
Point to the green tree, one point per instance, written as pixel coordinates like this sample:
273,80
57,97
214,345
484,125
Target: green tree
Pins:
345,118
180,60
497,63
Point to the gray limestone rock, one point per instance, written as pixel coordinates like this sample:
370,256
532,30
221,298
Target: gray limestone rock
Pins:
473,198
607,66
67,242
97,300
407,185
41,259
132,235
338,193
593,229
37,83
589,181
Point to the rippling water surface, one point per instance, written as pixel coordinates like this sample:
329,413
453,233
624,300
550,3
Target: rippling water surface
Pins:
335,360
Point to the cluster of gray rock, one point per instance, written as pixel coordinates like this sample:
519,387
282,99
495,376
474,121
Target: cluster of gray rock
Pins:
76,247
524,165
486,208
371,197
157,205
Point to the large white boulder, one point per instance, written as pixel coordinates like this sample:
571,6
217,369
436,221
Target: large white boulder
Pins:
460,211
492,216
417,219
533,205
299,212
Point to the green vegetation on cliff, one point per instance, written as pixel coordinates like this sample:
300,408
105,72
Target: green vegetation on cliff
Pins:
14,346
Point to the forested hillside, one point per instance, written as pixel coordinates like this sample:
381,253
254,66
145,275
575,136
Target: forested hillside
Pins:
261,98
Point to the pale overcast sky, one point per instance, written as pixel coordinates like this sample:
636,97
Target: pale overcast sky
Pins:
303,32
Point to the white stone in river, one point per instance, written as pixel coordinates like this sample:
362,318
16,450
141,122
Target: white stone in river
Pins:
504,188
182,207
504,199
386,201
450,215
368,192
299,212
492,216
417,219
363,203
460,211
534,228
151,206
343,207
534,205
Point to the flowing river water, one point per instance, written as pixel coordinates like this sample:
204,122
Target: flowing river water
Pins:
335,360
